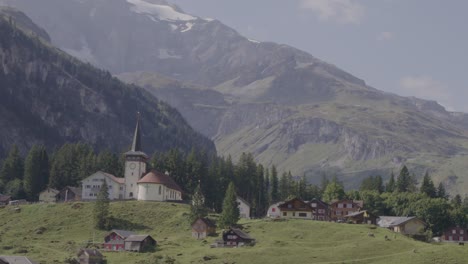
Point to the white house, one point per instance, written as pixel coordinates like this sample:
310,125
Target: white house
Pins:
244,208
157,186
49,195
93,183
274,211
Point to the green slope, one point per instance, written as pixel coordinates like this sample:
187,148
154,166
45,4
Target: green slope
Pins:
66,227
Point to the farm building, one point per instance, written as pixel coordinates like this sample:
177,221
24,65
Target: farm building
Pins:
115,240
48,195
236,238
362,217
4,199
455,234
69,194
405,225
90,256
139,243
295,208
203,227
340,209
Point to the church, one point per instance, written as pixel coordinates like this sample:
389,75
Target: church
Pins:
137,183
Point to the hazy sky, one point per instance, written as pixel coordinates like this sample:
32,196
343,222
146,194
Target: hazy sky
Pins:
409,47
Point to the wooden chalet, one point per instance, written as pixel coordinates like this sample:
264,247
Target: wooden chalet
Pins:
320,210
340,209
115,240
4,199
90,256
362,217
16,260
69,194
203,227
295,208
455,234
405,225
236,238
139,243
49,195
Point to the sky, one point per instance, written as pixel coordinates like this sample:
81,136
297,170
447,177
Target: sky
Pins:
408,47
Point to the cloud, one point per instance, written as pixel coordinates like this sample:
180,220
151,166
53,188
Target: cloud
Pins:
385,36
426,87
342,11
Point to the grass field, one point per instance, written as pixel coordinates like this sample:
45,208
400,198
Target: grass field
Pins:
52,233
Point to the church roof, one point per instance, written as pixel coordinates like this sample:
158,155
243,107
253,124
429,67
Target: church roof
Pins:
157,177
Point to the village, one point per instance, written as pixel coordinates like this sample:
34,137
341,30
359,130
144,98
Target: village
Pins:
155,186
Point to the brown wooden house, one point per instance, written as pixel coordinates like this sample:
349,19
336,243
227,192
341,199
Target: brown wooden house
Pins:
295,208
340,209
203,227
69,194
455,234
320,210
4,199
362,217
236,238
90,256
139,243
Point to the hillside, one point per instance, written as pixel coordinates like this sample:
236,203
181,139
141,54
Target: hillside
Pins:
66,227
282,104
49,97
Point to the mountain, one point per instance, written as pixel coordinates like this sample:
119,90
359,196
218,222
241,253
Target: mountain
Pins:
49,97
285,106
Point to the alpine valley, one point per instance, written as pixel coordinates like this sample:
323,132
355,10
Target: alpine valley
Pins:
283,105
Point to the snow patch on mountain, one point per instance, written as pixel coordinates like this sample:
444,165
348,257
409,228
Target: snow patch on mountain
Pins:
161,12
188,26
167,54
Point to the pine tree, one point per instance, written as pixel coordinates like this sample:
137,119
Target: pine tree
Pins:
441,193
13,166
101,208
197,209
36,172
427,186
405,181
390,187
230,214
275,196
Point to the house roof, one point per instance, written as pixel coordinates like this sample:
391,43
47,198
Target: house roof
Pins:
241,233
359,203
315,200
17,260
285,204
359,213
244,201
90,252
4,198
157,177
207,221
113,178
50,190
137,238
391,221
122,233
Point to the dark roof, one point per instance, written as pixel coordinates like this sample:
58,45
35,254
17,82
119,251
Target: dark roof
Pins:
157,177
112,177
391,221
359,203
241,233
137,238
244,201
122,233
315,200
285,204
4,198
17,260
90,252
207,221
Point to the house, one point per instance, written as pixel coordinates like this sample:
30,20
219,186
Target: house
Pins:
139,243
157,186
320,210
340,209
16,260
69,194
203,227
362,217
92,185
115,240
236,238
90,256
455,234
274,211
4,199
295,208
48,195
244,208
405,225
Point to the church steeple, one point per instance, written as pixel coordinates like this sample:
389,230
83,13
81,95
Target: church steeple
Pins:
136,146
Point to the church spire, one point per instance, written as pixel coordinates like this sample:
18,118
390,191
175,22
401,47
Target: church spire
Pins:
136,146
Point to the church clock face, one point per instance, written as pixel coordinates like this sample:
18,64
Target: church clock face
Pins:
132,166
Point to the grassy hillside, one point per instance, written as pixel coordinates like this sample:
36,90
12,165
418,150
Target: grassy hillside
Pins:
66,227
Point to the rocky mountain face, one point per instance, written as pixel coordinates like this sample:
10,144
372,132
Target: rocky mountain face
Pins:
280,103
49,97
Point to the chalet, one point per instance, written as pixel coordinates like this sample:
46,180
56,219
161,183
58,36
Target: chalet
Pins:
115,240
274,210
139,243
320,210
296,208
362,217
455,234
203,227
4,199
90,256
92,184
157,186
16,260
236,238
405,225
48,195
244,208
69,194
340,209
